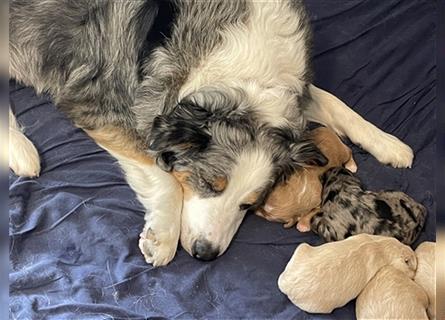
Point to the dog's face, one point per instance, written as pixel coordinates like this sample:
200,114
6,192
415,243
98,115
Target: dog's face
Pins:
227,164
403,258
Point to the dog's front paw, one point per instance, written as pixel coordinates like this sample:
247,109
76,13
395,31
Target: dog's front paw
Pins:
24,159
158,248
392,151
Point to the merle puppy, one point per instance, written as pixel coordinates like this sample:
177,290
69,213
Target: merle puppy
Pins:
347,209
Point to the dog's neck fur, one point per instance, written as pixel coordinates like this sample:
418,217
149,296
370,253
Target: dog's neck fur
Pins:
250,67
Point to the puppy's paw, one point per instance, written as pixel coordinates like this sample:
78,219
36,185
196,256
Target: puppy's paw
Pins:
392,151
158,248
351,165
23,157
303,226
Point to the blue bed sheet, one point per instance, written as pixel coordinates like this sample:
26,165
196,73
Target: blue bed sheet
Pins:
74,230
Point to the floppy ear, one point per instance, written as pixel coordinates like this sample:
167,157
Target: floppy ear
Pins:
306,153
178,135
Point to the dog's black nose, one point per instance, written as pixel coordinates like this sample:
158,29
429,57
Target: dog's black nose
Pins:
203,250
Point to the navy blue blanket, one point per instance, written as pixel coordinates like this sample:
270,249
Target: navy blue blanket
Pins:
74,230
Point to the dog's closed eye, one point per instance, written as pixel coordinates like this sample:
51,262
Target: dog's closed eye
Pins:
245,206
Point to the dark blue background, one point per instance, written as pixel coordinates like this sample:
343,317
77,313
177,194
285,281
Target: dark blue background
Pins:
74,230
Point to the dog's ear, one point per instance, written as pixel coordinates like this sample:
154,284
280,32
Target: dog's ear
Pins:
306,153
178,135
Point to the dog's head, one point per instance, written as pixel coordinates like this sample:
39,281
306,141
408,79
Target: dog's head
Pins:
226,162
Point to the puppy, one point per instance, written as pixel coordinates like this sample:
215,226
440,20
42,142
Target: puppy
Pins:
426,273
299,198
347,209
320,279
391,294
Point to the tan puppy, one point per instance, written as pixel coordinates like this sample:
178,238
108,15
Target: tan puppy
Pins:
391,294
320,279
299,198
426,273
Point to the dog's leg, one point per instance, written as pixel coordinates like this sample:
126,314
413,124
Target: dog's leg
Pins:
332,112
23,156
158,191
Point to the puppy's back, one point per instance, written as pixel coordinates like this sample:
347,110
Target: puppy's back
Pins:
320,279
407,216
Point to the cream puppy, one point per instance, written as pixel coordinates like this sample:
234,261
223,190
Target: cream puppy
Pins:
320,279
299,198
392,294
426,273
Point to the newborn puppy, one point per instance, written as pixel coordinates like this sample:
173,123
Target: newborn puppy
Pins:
301,194
320,279
426,273
391,294
347,209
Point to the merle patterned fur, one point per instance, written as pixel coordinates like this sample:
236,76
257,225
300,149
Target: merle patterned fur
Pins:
347,209
104,63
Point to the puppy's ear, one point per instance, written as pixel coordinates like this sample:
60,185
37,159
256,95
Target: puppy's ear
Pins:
306,153
177,136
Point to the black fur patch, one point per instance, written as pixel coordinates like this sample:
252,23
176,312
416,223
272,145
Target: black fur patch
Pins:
383,209
408,210
331,195
381,227
345,203
352,228
355,212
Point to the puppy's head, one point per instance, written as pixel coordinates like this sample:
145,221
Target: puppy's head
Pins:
226,162
333,148
400,256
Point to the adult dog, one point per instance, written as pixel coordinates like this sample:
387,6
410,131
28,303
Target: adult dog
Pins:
204,122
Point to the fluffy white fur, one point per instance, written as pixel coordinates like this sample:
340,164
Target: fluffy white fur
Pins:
267,63
216,219
161,196
320,279
392,294
23,156
332,112
426,273
261,57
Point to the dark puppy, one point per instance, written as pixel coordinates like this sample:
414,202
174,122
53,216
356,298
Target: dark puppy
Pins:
347,209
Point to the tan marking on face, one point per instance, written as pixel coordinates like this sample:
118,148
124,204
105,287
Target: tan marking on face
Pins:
182,177
219,184
252,198
119,141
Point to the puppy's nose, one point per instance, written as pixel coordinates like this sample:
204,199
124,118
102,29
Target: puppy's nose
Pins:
203,250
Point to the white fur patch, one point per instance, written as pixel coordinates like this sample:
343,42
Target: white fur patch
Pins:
265,57
161,196
23,156
335,114
217,219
